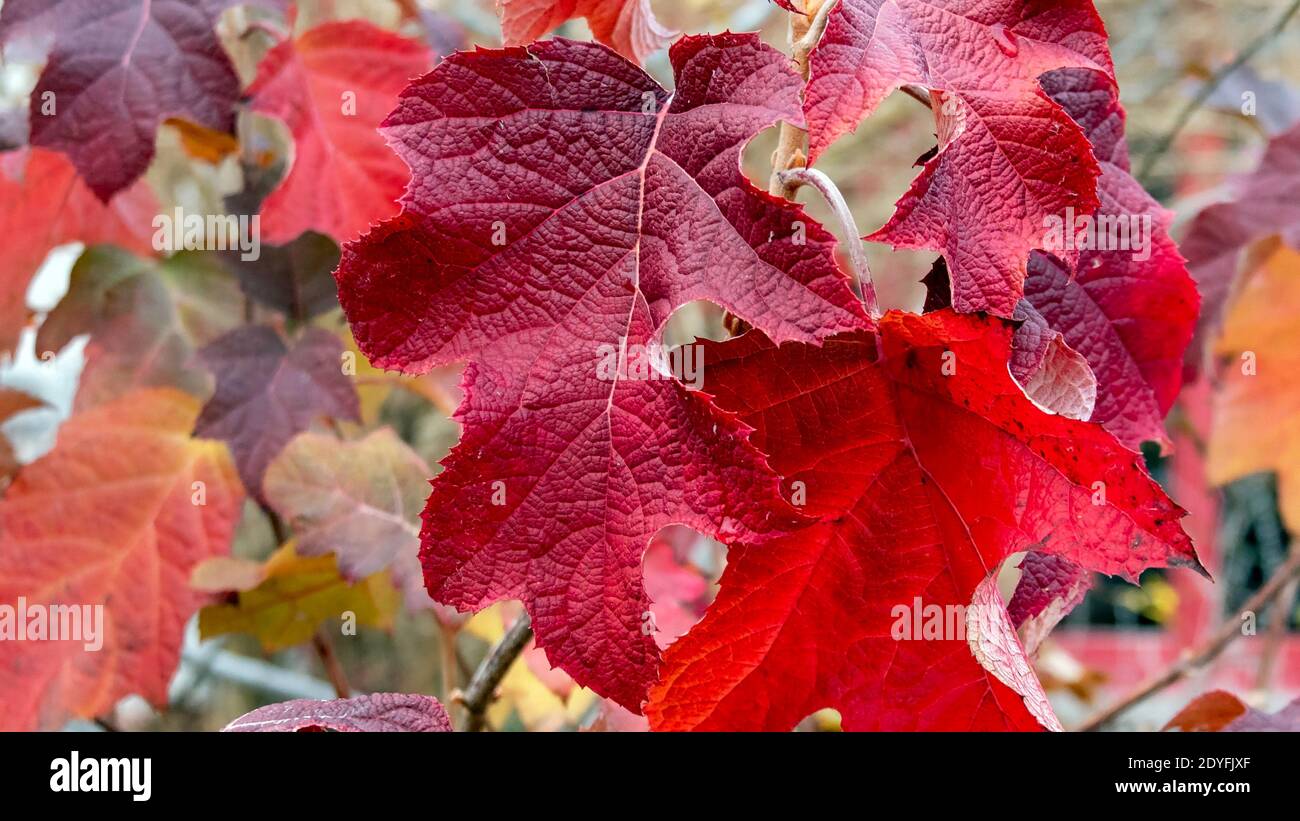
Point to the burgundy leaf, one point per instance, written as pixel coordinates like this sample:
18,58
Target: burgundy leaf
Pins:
116,69
563,205
266,393
1050,587
1129,310
377,713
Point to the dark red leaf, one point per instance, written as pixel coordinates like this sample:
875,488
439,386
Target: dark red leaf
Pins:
116,69
1129,310
613,202
295,279
1008,156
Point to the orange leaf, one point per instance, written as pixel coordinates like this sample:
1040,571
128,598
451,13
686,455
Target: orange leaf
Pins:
1209,713
203,143
112,520
1257,411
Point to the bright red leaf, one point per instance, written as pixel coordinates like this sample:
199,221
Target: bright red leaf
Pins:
927,467
627,26
332,87
563,206
1008,156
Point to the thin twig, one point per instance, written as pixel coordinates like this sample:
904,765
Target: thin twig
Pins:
1280,620
329,659
481,690
450,661
792,146
795,177
1185,115
1207,652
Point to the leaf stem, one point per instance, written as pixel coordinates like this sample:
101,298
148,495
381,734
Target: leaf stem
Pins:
333,667
481,690
1207,652
919,93
1166,141
792,179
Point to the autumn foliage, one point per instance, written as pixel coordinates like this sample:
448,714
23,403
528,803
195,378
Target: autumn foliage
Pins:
241,449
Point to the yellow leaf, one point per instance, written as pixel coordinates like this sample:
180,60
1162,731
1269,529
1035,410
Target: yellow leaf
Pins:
294,597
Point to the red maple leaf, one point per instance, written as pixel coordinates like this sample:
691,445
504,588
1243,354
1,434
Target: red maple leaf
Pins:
563,206
1127,304
627,26
332,87
928,468
1131,307
116,69
1008,156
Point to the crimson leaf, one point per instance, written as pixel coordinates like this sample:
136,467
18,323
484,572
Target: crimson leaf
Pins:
563,206
928,468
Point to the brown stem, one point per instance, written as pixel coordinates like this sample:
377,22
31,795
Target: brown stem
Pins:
792,146
1208,651
918,93
329,659
1278,624
481,690
450,658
